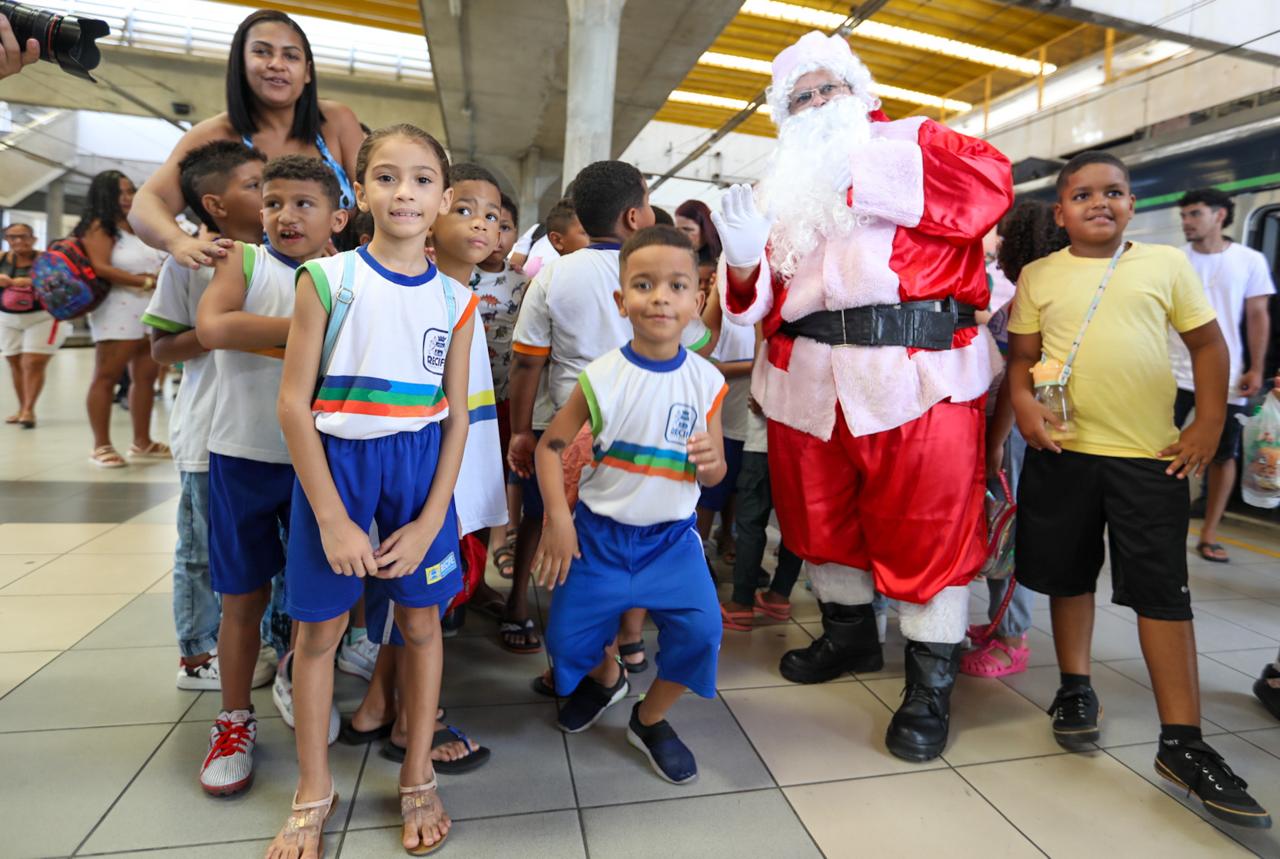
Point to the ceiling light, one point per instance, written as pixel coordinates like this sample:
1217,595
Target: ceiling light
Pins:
703,99
764,67
808,16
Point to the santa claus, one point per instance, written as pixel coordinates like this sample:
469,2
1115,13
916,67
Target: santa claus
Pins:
863,259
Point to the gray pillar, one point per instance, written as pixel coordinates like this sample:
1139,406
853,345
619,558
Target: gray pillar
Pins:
530,164
55,206
593,72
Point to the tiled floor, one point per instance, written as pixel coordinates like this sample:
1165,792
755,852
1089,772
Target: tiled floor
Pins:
99,751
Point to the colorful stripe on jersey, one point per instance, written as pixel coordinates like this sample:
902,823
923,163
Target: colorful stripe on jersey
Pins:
648,461
366,395
482,406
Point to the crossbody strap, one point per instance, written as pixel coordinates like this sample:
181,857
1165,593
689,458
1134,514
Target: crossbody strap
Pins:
342,298
1088,316
450,300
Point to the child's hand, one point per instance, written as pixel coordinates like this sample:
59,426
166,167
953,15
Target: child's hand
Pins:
556,551
1193,451
403,550
520,453
1034,421
348,550
703,453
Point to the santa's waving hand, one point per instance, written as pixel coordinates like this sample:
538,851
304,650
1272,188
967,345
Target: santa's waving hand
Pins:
865,274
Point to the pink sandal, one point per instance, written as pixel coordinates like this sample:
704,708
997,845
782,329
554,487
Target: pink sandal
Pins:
982,661
739,621
773,611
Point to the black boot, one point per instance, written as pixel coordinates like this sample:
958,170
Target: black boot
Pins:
918,731
849,642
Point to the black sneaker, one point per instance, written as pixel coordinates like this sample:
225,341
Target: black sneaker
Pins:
1076,713
667,754
1198,769
1268,693
588,702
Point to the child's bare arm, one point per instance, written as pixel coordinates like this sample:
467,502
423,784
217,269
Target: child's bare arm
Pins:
403,550
346,545
167,348
221,322
1210,367
736,369
706,451
559,544
998,427
1024,352
522,387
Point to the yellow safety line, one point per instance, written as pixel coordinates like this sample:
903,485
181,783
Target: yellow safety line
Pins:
1240,544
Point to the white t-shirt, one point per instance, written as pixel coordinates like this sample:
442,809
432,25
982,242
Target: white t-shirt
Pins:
542,254
757,434
736,343
525,242
386,372
244,413
642,414
480,495
173,311
1230,279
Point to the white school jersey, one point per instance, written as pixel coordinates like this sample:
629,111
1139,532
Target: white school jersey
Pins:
737,343
642,414
480,495
173,311
244,413
386,372
1230,279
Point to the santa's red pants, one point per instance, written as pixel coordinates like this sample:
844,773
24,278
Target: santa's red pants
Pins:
905,504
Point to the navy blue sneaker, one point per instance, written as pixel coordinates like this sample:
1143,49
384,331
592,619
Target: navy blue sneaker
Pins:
588,702
669,757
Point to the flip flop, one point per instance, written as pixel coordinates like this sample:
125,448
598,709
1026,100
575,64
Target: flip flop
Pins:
540,685
1203,549
351,736
773,611
395,752
739,621
532,641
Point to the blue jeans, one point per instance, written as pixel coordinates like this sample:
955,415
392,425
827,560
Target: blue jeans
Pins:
197,611
1017,618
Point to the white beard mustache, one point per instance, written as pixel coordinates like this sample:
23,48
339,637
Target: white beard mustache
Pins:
799,189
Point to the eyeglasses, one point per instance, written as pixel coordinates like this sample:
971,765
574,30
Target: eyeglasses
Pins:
18,237
804,98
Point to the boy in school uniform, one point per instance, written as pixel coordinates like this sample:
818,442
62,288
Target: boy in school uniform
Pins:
1121,466
222,183
654,412
245,315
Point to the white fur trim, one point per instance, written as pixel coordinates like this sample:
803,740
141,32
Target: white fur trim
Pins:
942,620
760,305
853,72
836,583
888,181
804,395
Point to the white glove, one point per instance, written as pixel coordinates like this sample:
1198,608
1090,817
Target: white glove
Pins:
843,177
744,230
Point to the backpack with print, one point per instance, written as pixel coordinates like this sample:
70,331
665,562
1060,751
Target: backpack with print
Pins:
65,282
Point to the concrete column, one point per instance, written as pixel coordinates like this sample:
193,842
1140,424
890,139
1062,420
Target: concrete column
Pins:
593,72
530,164
55,206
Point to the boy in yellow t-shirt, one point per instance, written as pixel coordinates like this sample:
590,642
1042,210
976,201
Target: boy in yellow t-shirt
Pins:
1122,473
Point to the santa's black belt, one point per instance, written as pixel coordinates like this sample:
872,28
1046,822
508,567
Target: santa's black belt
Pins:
914,324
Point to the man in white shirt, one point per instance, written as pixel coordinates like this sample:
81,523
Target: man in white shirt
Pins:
1237,281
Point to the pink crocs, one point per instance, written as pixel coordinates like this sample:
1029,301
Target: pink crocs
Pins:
983,662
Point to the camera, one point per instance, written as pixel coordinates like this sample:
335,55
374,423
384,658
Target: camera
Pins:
64,39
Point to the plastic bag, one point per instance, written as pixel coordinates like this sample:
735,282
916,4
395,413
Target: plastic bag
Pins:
1261,483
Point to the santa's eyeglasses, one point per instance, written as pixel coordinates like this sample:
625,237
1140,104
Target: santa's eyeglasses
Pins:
804,98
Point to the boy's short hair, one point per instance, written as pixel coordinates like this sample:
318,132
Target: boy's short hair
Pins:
1214,199
659,235
1083,160
302,168
471,172
510,205
561,217
662,218
603,191
207,170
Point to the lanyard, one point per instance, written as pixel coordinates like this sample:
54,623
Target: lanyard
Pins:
1088,316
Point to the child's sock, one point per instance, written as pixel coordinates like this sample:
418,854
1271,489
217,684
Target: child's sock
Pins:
1070,681
1179,735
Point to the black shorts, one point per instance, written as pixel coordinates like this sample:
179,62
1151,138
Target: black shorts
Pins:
1066,501
1229,442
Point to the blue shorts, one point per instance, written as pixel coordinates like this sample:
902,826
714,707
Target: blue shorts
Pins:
530,494
384,480
248,521
655,567
716,497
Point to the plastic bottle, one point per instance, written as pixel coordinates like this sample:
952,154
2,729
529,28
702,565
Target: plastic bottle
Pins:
1052,394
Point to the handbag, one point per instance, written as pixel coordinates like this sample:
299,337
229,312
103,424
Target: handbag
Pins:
17,299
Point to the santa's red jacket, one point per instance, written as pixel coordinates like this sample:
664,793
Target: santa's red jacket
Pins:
924,196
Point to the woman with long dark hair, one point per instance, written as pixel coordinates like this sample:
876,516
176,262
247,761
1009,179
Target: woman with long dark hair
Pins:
119,338
272,105
693,218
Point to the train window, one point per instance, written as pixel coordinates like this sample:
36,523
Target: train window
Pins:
1264,236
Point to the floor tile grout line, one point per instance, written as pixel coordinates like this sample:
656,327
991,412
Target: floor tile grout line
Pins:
132,779
351,803
998,811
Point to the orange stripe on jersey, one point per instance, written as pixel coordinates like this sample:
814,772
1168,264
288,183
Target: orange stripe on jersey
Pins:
526,349
715,406
358,407
467,311
648,470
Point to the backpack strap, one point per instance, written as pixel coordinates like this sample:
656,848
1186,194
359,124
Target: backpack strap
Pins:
450,301
342,298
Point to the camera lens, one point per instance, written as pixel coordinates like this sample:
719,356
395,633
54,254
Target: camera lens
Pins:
64,39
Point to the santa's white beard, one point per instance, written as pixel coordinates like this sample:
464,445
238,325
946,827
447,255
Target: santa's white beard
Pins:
800,188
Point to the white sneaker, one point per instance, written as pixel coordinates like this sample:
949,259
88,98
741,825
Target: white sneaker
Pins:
199,678
282,697
264,671
228,768
358,657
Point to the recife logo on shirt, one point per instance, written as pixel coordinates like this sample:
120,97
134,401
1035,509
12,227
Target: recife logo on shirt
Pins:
680,423
435,346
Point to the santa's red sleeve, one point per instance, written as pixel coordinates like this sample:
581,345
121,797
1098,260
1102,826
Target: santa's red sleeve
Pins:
746,300
943,183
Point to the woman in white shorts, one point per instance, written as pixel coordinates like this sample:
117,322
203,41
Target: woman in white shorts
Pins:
28,337
119,339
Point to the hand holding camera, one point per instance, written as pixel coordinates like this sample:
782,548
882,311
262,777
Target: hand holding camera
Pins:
13,57
66,40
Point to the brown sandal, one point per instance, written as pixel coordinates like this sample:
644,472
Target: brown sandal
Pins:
307,819
412,801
